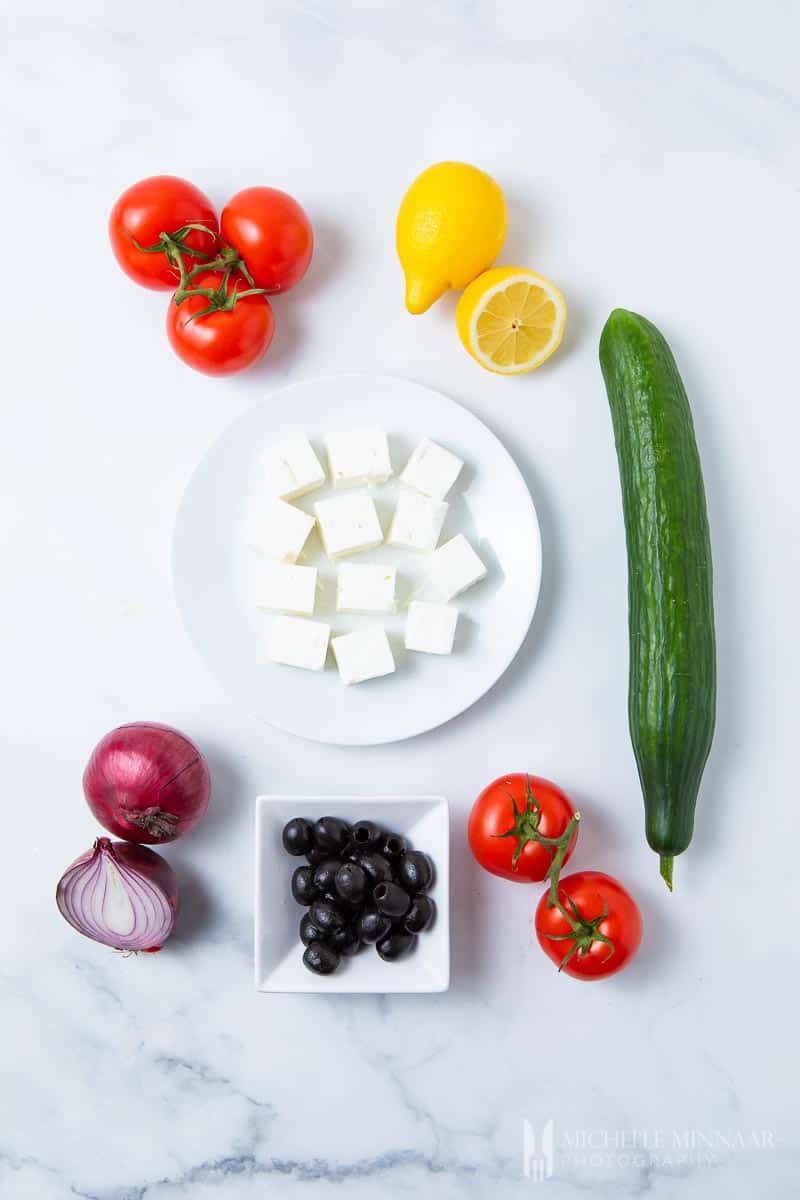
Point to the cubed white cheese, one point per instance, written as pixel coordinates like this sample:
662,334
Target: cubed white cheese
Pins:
431,628
454,567
287,588
359,457
417,521
432,470
365,588
363,655
348,524
297,642
293,468
280,531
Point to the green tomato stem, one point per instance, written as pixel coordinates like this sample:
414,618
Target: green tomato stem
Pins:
227,260
557,863
525,828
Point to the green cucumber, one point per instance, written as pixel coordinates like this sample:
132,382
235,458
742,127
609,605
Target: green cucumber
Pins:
672,681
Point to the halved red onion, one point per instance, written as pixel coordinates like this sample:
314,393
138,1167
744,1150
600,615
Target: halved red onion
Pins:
121,895
147,783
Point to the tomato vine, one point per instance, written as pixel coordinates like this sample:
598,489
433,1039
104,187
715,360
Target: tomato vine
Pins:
227,260
525,828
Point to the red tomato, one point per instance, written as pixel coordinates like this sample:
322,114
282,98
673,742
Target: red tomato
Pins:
271,233
161,204
504,819
229,339
604,929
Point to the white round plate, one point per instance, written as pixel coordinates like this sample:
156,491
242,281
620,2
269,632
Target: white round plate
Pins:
215,571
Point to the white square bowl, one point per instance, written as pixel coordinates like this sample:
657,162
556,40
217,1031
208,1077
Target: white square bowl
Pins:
424,820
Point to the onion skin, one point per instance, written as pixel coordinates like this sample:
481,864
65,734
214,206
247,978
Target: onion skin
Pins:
122,882
147,783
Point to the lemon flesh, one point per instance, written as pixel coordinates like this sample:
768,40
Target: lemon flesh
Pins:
511,320
451,226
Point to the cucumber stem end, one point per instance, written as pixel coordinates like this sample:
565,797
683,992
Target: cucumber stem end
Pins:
665,866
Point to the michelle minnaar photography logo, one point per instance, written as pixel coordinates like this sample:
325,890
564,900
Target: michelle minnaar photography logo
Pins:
548,1151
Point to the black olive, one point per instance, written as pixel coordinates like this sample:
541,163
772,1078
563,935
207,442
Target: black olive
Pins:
376,866
304,889
346,941
321,959
351,882
331,834
391,900
350,909
308,931
315,856
297,836
372,925
420,915
415,871
395,945
391,846
327,916
366,834
325,873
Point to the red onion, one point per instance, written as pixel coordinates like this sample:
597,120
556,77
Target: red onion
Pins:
120,895
147,783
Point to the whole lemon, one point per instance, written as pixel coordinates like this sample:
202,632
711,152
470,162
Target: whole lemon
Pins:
451,226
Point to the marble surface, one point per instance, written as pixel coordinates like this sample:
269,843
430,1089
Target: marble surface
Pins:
649,154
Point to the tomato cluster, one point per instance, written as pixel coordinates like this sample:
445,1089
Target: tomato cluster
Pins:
525,828
165,235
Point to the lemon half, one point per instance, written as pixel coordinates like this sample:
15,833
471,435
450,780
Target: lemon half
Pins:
511,319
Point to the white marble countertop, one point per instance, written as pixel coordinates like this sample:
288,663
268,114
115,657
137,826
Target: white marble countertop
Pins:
649,154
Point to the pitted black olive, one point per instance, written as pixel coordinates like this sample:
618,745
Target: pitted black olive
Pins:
372,926
415,871
315,856
391,900
308,931
304,889
297,836
331,834
325,874
376,866
350,882
366,835
420,916
327,916
395,945
320,958
346,941
391,846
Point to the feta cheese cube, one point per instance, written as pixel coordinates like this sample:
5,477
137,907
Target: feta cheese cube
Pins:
363,655
280,531
293,468
348,524
287,588
365,588
454,567
417,521
359,457
297,642
432,470
431,628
